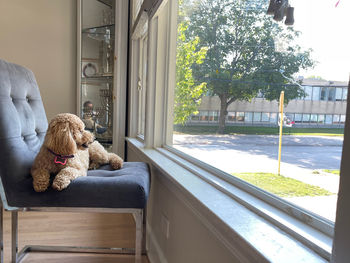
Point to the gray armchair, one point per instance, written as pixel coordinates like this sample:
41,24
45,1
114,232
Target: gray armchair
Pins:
23,126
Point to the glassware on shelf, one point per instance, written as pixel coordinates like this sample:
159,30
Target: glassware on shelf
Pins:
107,53
104,119
107,16
97,65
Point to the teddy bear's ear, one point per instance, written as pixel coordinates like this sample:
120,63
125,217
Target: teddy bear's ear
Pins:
59,139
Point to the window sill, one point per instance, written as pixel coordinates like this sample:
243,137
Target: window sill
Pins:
250,228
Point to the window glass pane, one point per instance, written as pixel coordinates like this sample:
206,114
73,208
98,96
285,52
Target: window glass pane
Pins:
257,117
213,116
331,94
240,116
290,116
265,116
342,119
328,119
223,62
338,94
320,119
136,8
345,94
316,93
231,116
324,93
248,117
308,91
306,118
313,118
297,117
203,116
336,119
273,117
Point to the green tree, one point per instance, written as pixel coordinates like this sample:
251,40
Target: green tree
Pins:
242,58
188,92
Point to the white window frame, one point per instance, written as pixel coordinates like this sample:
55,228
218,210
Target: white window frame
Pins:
139,32
312,230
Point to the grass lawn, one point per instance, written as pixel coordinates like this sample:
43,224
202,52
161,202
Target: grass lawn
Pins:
258,130
282,186
337,172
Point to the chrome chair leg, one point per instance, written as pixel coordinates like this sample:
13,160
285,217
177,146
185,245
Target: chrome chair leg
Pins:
1,235
14,240
139,234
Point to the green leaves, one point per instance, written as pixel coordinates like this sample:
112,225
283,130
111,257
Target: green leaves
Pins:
188,91
243,57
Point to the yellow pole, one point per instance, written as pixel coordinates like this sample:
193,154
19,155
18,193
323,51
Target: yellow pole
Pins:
281,126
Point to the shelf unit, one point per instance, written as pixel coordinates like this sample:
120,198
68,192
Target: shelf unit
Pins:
96,62
102,39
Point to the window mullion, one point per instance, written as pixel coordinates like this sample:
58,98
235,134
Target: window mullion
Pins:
133,98
171,81
151,82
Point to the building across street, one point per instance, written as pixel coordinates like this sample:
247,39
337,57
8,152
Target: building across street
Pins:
323,106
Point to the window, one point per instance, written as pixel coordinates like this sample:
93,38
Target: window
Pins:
241,112
139,58
336,119
345,94
231,116
248,117
328,119
331,94
324,93
306,118
308,91
203,116
298,117
290,116
136,4
273,117
313,118
142,85
265,116
257,117
240,116
213,116
342,119
338,94
320,119
316,93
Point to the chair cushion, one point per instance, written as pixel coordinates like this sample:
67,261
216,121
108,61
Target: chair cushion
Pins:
104,187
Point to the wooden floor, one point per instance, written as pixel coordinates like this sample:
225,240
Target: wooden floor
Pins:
72,229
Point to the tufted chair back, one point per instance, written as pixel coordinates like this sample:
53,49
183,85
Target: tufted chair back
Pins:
23,125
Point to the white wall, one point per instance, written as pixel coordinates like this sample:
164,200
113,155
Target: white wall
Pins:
190,241
41,35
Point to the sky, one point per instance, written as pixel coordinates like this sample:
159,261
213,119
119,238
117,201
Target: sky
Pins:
325,29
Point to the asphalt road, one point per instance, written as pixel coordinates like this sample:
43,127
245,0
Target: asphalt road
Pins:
232,152
301,156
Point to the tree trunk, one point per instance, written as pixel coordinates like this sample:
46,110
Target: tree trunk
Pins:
223,113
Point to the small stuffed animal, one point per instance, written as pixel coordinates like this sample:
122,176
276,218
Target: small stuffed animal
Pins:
68,151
